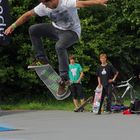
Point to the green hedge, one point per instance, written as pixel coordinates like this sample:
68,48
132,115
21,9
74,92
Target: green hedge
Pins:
114,29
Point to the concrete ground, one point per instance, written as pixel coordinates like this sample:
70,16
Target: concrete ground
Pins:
63,125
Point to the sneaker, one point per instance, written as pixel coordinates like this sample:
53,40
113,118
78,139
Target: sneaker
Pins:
79,110
63,88
37,63
82,109
99,113
75,110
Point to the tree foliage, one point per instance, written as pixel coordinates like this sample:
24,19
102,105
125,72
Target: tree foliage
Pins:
114,29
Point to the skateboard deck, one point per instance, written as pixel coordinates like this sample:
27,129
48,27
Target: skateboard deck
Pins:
135,112
51,79
84,104
97,99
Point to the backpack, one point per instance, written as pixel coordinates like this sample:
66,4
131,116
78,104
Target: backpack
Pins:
135,106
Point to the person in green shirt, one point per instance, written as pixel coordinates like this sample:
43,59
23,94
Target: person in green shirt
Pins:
75,75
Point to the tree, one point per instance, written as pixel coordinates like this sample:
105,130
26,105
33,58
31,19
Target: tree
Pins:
114,29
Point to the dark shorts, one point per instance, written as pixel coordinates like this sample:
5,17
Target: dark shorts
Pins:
77,91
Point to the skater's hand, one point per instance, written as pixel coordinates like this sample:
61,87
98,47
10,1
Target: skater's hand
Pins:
110,80
99,86
9,30
105,5
103,2
78,81
71,82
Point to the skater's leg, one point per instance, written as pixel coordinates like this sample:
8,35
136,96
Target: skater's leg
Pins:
109,98
75,102
80,93
36,33
66,39
74,96
102,100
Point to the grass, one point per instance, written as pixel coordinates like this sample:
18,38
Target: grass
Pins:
55,105
52,104
66,105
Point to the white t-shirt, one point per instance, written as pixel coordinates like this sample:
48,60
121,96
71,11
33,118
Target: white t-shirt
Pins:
64,17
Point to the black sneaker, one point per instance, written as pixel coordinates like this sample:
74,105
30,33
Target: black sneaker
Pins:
37,63
63,88
99,113
75,110
79,110
82,109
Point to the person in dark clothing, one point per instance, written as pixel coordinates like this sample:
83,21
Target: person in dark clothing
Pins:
106,75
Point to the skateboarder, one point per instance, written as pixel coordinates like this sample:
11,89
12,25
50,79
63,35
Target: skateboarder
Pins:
65,29
76,75
106,74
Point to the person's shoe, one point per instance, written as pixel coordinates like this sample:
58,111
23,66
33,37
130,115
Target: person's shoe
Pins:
75,110
63,88
99,113
37,63
82,109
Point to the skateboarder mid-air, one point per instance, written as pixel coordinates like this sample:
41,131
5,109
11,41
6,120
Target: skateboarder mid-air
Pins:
106,74
65,29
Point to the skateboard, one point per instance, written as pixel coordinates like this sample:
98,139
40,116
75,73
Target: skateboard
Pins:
51,79
135,112
80,108
97,100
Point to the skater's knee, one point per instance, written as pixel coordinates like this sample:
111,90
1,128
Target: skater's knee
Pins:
32,30
59,48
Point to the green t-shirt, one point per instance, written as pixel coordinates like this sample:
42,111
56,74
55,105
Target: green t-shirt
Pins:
74,72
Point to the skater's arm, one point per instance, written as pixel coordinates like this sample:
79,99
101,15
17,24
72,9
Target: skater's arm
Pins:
114,78
21,20
115,74
99,82
80,78
87,3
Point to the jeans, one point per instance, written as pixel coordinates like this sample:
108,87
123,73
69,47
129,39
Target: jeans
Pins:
64,39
